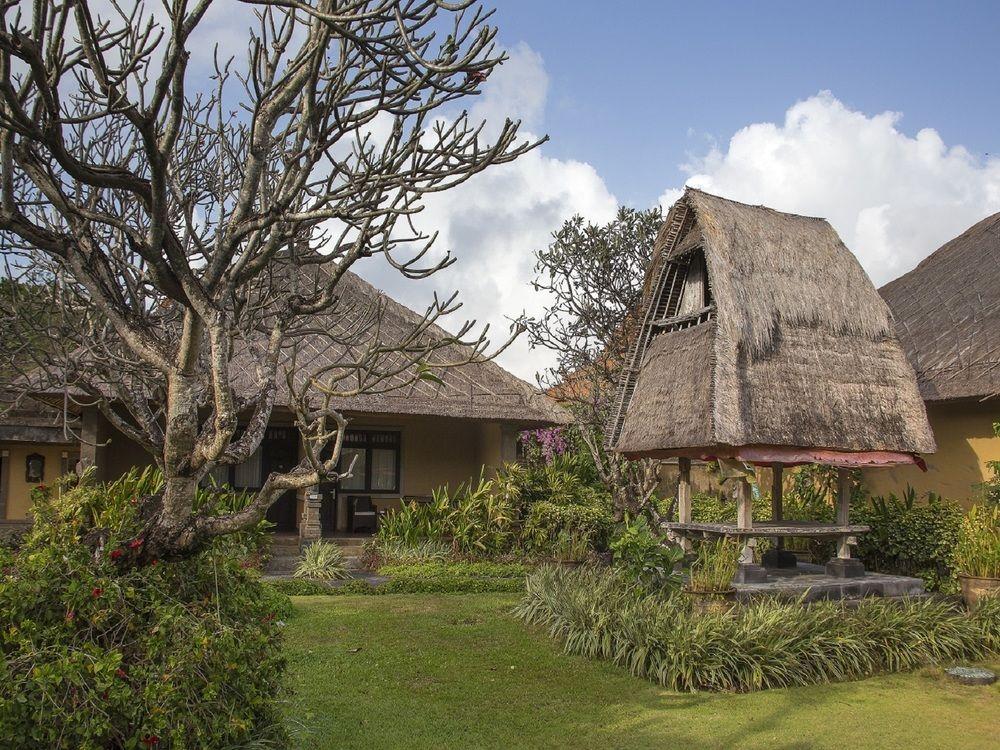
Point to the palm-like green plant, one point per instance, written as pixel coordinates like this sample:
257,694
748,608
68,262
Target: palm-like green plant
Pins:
322,561
977,553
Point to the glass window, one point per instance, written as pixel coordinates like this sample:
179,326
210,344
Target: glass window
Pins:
376,456
384,469
248,473
357,479
217,477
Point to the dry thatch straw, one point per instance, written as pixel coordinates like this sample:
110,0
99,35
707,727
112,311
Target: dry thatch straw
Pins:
788,345
947,314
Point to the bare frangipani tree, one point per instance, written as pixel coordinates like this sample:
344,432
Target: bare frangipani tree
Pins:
172,237
593,275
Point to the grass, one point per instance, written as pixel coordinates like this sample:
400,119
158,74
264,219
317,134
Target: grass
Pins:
431,671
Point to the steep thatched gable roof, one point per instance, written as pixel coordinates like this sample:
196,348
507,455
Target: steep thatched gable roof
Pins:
795,344
947,315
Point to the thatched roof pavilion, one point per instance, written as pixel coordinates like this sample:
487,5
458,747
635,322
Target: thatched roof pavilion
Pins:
764,341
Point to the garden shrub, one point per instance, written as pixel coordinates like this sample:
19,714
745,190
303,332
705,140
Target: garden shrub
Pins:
299,587
548,509
599,614
909,537
547,521
98,654
322,561
378,552
977,552
473,518
642,556
715,565
421,578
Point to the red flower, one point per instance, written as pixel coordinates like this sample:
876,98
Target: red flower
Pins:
135,543
96,592
154,561
151,739
41,488
115,554
70,615
121,673
134,501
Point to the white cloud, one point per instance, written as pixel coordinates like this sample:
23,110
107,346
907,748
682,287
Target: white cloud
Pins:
494,222
892,197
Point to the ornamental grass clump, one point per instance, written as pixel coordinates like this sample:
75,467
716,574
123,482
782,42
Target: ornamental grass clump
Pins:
322,561
714,567
767,644
977,552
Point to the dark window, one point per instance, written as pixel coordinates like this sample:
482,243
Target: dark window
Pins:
376,461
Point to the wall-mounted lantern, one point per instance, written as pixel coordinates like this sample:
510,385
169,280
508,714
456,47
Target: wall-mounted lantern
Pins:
34,468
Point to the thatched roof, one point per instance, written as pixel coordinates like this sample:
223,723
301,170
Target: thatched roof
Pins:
793,347
947,315
481,390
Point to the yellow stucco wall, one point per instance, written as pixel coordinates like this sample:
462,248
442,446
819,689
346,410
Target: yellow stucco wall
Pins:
435,452
964,434
18,491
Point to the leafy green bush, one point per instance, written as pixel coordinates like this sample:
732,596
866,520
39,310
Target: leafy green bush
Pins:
714,566
547,509
99,654
909,537
978,550
456,569
300,587
378,552
641,555
548,521
711,508
599,614
421,578
323,561
474,519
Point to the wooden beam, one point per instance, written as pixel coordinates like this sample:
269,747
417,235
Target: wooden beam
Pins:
843,510
744,504
777,472
684,496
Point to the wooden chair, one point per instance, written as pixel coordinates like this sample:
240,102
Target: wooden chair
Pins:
363,513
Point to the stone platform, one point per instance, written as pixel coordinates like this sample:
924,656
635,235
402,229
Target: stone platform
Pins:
813,582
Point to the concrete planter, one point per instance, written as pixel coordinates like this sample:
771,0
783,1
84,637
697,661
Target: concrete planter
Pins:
975,587
708,602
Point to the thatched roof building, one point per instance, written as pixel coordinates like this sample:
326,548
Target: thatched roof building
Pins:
947,315
764,340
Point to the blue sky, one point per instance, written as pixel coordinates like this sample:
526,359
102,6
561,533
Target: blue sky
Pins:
883,117
633,90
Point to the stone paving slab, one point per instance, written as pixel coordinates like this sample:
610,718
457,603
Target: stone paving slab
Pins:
812,582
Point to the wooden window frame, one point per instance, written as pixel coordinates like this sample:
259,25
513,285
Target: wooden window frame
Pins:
362,439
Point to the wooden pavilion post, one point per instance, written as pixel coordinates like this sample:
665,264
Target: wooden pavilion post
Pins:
842,566
684,497
748,571
778,556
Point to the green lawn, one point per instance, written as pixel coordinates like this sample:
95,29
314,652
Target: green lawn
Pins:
459,672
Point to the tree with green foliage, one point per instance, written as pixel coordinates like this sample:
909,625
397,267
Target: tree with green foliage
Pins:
593,275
